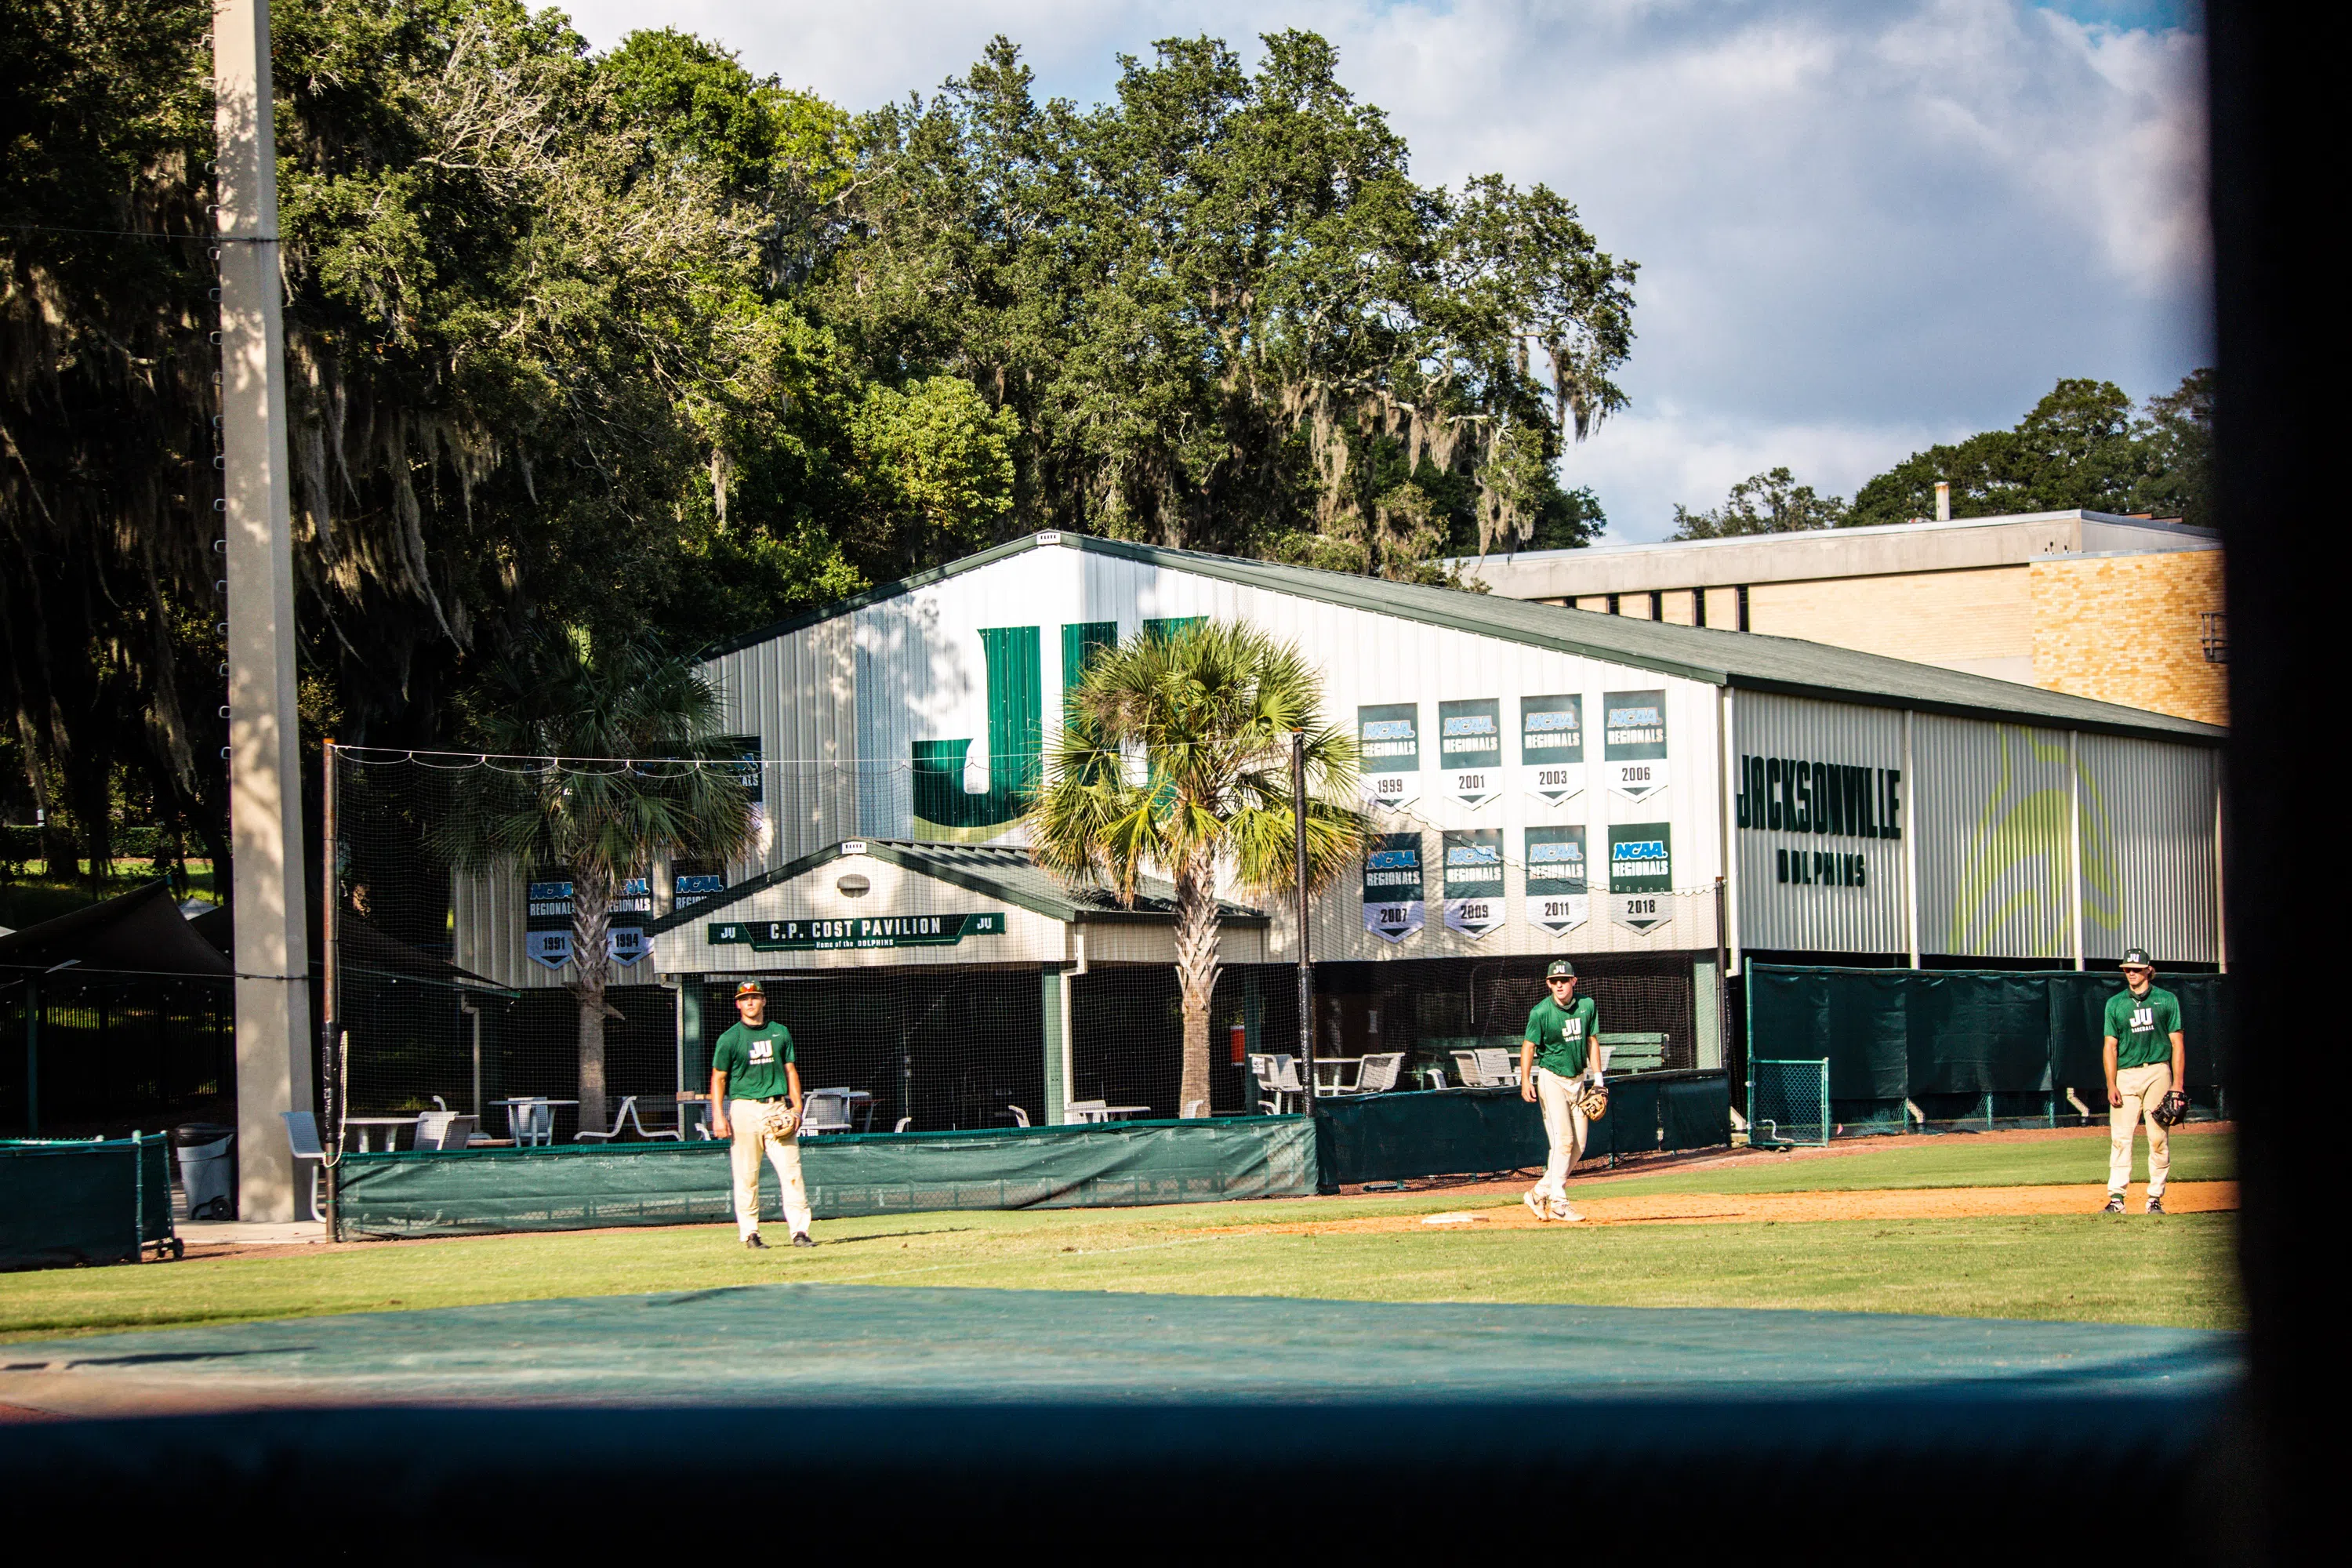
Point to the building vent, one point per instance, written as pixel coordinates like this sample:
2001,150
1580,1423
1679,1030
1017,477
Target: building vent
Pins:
1942,500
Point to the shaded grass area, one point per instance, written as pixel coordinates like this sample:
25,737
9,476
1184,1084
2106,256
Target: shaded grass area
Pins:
2174,1270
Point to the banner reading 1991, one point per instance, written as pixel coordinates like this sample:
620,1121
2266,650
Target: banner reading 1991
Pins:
1394,903
1474,880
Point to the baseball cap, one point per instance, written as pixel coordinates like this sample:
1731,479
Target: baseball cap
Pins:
1561,969
748,989
2137,958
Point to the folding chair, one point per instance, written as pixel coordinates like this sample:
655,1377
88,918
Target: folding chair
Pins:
821,1111
302,1138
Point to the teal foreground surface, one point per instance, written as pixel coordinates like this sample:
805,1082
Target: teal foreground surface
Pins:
851,1345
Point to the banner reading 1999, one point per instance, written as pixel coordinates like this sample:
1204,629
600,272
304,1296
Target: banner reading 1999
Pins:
1388,738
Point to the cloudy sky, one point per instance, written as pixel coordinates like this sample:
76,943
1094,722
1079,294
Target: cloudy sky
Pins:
1863,225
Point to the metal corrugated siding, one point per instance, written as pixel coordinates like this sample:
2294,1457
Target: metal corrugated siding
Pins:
1989,804
1029,937
1794,917
2147,850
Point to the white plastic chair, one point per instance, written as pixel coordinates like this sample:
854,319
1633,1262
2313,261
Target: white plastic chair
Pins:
1435,1076
821,1111
1498,1067
439,1129
531,1122
1378,1074
1020,1116
1474,1072
1195,1108
302,1138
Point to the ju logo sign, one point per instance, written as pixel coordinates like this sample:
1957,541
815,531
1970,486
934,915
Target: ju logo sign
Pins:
1470,748
1394,902
1388,735
1558,896
1633,743
1641,875
547,919
1474,880
1551,747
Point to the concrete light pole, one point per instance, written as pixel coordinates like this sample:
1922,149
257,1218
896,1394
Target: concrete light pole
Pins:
273,958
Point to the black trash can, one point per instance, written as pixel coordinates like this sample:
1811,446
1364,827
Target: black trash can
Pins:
207,1168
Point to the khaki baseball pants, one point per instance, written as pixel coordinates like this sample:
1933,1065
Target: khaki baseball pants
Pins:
2143,1090
750,1117
1563,1122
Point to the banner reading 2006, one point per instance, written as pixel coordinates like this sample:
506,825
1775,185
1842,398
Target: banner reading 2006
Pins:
1394,903
1634,745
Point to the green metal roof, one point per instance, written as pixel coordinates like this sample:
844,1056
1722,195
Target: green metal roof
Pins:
992,870
1749,661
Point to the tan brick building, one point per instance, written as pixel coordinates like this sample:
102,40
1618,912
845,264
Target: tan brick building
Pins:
2119,609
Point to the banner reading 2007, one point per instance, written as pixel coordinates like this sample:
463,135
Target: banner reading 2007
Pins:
1474,880
1394,904
1388,735
1633,747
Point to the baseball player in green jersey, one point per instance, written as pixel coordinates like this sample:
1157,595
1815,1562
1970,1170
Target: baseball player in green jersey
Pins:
753,1059
1556,1059
2147,1059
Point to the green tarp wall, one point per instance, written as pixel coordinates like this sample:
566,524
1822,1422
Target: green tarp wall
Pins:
1462,1132
1892,1035
579,1187
82,1203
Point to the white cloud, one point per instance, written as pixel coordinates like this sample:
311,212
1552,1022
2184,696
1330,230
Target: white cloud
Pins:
1861,225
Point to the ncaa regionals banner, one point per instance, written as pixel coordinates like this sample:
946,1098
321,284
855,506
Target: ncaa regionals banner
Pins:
1551,746
625,938
1557,899
547,919
1474,880
1389,736
1634,749
1470,749
1640,874
1394,903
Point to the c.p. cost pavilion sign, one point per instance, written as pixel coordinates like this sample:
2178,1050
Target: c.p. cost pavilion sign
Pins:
859,931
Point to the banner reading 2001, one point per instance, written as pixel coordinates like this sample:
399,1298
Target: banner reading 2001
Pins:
1394,904
1470,741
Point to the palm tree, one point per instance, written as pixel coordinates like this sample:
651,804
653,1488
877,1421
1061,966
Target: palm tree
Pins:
609,758
1209,712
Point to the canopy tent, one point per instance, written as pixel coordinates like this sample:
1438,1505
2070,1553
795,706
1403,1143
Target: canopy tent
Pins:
140,932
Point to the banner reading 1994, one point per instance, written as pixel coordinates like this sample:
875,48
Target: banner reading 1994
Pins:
1633,747
1394,903
1474,880
1388,735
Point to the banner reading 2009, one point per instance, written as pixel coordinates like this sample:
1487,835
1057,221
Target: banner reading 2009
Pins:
1394,903
1474,880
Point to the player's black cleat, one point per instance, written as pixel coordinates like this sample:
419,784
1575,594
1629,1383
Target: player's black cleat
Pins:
754,1243
2156,1206
800,1239
2115,1203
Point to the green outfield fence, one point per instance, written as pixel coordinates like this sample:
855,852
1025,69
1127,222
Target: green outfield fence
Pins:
580,1187
101,1200
1966,1046
1475,1131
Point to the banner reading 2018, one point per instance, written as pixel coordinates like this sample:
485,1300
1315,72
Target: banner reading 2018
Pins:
1641,875
1394,904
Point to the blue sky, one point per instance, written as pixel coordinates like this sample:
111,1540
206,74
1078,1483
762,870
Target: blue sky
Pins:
1863,225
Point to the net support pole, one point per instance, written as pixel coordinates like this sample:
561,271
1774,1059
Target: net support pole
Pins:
265,765
1305,963
331,1086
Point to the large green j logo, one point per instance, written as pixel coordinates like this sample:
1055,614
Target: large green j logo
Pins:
944,809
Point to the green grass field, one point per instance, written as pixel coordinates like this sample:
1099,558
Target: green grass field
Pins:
2176,1271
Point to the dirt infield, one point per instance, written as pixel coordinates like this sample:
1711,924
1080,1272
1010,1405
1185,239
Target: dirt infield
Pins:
1717,1208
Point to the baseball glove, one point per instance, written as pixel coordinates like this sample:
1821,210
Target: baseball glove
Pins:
782,1122
1594,1102
2173,1111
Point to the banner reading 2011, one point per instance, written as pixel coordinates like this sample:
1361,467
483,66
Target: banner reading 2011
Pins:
1557,899
1633,744
1388,736
1394,904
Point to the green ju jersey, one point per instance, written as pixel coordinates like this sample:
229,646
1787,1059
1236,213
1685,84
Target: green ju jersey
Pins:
754,1060
1562,1036
2142,1027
